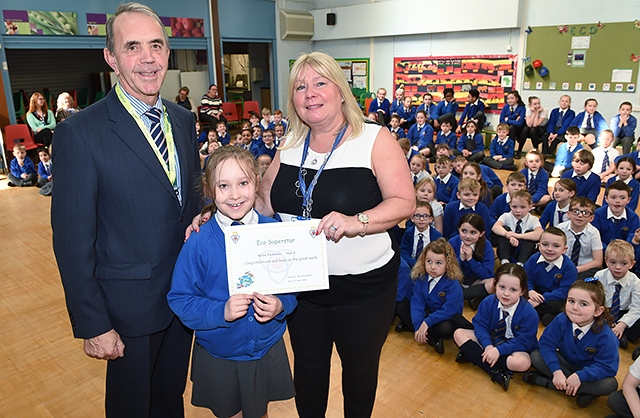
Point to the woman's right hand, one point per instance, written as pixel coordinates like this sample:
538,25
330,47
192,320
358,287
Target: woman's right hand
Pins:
198,220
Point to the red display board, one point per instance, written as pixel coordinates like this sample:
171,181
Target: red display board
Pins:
492,75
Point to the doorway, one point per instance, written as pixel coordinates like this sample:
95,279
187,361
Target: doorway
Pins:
248,72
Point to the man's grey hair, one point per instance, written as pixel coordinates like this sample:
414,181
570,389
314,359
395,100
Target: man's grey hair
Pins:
132,8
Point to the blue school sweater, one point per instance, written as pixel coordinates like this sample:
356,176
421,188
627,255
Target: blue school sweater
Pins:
409,116
272,125
400,132
564,157
444,190
385,105
553,284
515,118
585,187
540,186
443,108
548,216
499,206
477,140
430,111
482,269
224,140
635,193
449,139
43,171
609,230
567,118
505,150
27,168
625,131
420,137
524,326
598,122
395,105
408,242
596,355
452,215
405,284
470,110
444,301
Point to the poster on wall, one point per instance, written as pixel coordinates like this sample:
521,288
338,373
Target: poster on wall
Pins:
39,22
176,27
492,75
356,71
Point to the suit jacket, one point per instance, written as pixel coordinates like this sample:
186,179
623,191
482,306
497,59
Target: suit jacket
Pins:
117,224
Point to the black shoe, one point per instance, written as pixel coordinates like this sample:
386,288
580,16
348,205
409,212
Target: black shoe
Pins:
624,342
502,379
511,167
517,155
475,302
462,358
402,327
437,344
584,400
535,378
11,184
636,353
546,319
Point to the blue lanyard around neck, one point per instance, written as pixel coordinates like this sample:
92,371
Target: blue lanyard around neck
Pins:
307,201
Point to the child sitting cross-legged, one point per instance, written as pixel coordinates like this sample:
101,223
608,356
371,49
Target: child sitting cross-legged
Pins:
22,172
468,195
500,205
501,150
517,230
446,182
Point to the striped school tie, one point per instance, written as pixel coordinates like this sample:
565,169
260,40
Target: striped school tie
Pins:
559,122
575,251
605,161
156,133
589,122
234,223
576,334
501,330
519,227
615,303
420,245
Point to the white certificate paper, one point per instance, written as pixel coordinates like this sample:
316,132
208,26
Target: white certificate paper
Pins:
274,258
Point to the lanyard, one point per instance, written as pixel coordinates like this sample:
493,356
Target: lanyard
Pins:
306,193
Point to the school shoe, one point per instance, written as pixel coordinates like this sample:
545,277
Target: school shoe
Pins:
584,400
474,303
462,358
437,344
624,342
536,379
511,167
517,155
10,184
502,378
636,353
402,327
546,319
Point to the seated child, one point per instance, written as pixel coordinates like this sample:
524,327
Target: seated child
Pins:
622,289
267,147
446,109
583,239
473,110
397,102
418,235
474,171
468,195
590,122
537,179
513,114
501,150
557,210
471,143
616,221
587,183
559,120
445,136
254,120
256,136
264,161
246,136
407,113
201,134
403,298
475,257
566,151
428,107
223,137
604,156
578,352
623,126
626,401
224,324
504,329
278,131
394,126
550,274
405,145
634,240
426,192
494,184
22,172
266,118
44,167
436,305
421,134
236,139
517,230
625,167
500,205
417,165
277,120
443,150
381,106
445,181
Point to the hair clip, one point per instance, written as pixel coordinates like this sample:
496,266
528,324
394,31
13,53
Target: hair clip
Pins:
590,279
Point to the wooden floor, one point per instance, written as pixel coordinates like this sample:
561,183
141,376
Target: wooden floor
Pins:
44,373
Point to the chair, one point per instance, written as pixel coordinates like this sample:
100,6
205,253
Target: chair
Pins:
83,98
230,113
367,103
18,104
250,106
20,134
99,95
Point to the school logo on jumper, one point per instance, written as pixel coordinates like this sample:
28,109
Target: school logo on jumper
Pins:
245,281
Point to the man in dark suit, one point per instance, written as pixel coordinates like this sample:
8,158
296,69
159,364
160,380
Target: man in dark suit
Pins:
126,179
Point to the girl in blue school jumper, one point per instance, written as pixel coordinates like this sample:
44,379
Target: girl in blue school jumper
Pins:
513,114
578,351
397,102
475,257
471,143
239,336
428,107
504,329
625,167
590,122
421,134
436,305
556,211
474,171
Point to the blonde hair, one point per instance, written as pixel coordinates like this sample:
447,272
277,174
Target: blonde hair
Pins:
469,184
327,67
424,181
621,248
61,97
440,247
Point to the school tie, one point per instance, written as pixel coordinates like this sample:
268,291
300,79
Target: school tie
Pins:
234,223
531,187
616,221
431,285
419,245
512,109
559,122
589,122
156,133
501,330
605,161
547,266
519,226
560,216
576,334
575,251
415,179
615,303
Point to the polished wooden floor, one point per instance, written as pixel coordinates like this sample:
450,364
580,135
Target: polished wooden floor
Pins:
44,373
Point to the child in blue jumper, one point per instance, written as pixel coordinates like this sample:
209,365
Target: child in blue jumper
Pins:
473,110
446,182
22,172
446,109
421,134
566,151
471,143
504,329
590,122
436,305
44,167
625,167
587,183
500,205
616,221
468,195
407,113
428,107
578,352
418,235
557,210
537,179
501,150
239,336
513,114
623,126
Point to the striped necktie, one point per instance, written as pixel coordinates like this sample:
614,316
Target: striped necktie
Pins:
419,245
156,133
576,334
532,186
519,227
234,223
589,122
605,161
560,216
559,122
575,251
615,303
501,330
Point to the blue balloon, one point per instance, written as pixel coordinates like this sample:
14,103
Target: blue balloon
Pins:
544,71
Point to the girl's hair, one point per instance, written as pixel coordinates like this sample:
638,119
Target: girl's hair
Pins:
420,204
440,247
596,289
33,103
472,122
477,222
218,157
61,97
515,270
484,189
425,181
568,184
516,94
628,160
590,100
327,67
532,98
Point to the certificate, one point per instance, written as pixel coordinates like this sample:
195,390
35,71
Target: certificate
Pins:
273,258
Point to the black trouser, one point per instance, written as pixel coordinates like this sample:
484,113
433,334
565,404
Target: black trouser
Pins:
619,405
521,252
530,132
30,180
514,133
44,137
403,311
549,149
552,307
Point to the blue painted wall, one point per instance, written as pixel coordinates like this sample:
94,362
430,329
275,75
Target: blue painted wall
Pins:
247,19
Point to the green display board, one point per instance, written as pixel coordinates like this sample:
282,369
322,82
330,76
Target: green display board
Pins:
590,57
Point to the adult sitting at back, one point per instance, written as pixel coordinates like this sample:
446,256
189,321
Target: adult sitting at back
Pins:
183,99
354,178
211,107
65,107
40,119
